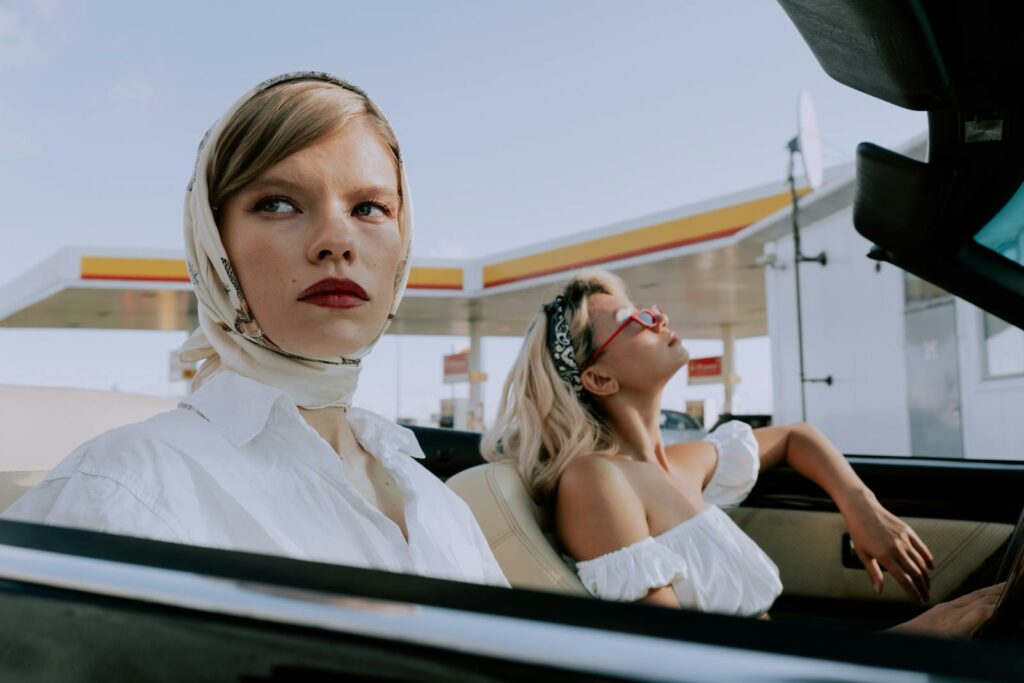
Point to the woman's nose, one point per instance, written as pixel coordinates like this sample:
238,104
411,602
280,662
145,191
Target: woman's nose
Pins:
332,238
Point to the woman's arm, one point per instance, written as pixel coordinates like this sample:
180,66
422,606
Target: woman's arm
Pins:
810,453
880,538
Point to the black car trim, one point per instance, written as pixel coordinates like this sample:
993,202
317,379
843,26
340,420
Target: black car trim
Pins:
820,642
128,640
973,490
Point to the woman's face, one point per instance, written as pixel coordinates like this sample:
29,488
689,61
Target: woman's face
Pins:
639,360
315,243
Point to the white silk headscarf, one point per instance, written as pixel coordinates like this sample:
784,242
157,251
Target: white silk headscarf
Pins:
228,336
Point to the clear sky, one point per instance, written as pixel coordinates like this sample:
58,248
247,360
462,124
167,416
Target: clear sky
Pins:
519,122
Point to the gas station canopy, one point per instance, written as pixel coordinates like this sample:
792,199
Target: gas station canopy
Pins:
700,263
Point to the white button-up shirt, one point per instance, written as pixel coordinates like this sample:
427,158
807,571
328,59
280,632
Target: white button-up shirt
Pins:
237,467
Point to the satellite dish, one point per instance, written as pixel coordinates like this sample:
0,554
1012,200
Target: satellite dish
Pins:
809,141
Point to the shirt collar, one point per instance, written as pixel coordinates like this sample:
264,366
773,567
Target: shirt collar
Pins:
381,437
239,407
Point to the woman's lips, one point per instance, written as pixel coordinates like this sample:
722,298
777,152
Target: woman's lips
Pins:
335,292
672,339
334,300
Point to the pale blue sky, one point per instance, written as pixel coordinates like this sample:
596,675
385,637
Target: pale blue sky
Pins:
519,121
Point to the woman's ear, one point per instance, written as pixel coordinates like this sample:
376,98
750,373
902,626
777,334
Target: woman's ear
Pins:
598,382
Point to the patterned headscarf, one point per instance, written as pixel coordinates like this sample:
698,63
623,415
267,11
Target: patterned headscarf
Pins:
560,346
228,335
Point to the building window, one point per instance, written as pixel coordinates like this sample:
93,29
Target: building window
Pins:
1004,347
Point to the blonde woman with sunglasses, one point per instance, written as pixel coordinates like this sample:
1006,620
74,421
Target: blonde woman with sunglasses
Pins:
644,521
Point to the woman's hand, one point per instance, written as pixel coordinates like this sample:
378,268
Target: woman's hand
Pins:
881,539
958,618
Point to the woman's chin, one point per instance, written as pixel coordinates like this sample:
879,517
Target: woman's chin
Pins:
321,348
661,378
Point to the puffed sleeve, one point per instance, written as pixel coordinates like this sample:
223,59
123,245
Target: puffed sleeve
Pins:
629,573
739,462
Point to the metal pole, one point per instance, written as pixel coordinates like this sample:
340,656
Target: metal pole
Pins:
476,386
797,257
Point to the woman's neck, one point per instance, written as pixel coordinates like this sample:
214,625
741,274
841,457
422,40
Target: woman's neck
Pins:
636,424
332,426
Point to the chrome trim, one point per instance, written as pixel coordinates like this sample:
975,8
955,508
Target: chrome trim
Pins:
509,638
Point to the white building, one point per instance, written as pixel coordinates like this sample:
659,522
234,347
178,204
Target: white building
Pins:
915,370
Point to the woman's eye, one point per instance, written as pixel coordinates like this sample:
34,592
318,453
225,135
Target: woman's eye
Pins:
276,205
370,210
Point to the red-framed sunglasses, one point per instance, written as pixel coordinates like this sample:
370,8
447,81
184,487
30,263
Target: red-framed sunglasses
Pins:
648,318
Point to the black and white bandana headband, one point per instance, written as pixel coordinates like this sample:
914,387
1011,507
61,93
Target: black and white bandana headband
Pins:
560,346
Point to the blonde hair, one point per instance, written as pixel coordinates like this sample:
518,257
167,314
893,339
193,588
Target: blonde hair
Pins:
542,424
280,121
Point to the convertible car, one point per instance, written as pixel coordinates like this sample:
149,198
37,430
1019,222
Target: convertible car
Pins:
83,605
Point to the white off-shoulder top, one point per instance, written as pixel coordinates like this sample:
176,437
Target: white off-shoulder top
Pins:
710,563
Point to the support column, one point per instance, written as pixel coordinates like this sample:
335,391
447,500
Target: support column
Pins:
476,378
189,370
728,365
192,315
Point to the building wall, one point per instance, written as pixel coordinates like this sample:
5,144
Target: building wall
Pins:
992,408
854,330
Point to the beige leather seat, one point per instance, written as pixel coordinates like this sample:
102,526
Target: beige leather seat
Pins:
517,529
39,426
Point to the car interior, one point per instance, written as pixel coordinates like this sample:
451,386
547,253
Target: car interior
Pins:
953,505
947,220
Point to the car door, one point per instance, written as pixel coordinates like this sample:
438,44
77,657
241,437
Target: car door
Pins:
964,511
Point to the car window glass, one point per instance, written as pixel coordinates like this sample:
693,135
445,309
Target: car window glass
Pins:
1004,348
1004,234
688,422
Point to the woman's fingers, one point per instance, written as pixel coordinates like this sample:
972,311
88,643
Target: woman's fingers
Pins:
921,548
907,575
874,571
921,565
912,585
989,593
987,596
977,607
916,568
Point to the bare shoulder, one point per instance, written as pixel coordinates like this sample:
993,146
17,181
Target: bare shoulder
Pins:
597,510
593,481
697,459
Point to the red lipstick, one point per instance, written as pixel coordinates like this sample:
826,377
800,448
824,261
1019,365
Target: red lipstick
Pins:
333,292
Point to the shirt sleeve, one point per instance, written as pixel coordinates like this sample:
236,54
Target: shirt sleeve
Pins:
739,462
93,502
629,574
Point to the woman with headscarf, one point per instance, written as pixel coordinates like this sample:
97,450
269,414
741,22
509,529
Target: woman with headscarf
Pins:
297,234
644,521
